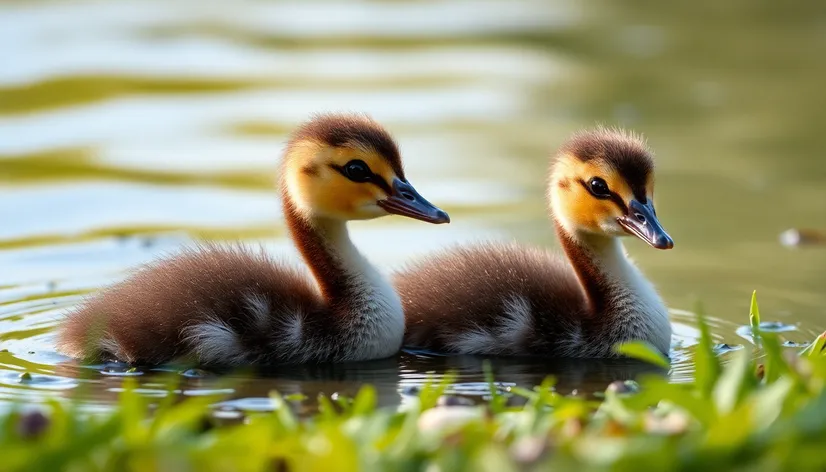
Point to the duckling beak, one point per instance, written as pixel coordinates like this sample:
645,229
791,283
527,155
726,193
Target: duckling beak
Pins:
642,222
406,201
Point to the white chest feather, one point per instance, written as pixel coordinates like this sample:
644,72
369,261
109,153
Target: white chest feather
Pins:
641,312
377,327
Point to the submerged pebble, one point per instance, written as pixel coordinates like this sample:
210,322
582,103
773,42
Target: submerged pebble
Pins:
32,424
760,371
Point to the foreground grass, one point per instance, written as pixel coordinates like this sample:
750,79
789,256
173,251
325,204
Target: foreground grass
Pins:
763,414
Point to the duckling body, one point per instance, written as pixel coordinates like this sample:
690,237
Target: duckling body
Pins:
234,305
507,299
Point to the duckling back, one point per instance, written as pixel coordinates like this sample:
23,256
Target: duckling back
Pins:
214,304
492,299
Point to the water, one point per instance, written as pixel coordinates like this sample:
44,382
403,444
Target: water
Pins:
129,129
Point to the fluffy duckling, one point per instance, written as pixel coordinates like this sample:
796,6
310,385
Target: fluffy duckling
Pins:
505,299
233,306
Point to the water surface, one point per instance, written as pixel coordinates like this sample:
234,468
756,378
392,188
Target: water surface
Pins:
130,129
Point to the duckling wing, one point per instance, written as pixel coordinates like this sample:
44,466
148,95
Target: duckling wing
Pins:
491,299
213,304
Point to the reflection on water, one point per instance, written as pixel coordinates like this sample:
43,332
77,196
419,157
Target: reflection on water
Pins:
127,129
394,379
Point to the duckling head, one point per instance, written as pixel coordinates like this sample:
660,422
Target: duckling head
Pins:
602,182
348,167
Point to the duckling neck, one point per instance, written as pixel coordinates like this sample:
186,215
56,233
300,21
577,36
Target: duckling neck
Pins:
619,297
338,267
354,290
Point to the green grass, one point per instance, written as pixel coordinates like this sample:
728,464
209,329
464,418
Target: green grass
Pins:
763,410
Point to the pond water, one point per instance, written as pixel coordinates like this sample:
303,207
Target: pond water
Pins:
129,129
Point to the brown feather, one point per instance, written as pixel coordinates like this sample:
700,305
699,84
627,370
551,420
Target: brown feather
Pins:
146,313
463,289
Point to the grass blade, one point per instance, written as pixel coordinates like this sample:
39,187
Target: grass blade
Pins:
643,351
707,369
498,402
735,383
816,348
754,317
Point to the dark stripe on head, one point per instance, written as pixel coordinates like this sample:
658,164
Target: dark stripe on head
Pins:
374,179
381,183
626,152
613,196
351,130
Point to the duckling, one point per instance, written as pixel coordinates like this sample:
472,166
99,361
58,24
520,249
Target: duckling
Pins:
232,306
506,299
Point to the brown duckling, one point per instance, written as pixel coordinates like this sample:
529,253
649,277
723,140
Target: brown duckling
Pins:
506,299
232,306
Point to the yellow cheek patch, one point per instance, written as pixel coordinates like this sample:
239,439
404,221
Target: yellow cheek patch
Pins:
318,188
587,211
329,192
342,197
576,202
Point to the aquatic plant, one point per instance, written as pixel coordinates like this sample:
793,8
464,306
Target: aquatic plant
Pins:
763,410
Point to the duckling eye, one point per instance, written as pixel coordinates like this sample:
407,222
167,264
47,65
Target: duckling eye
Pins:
598,187
357,171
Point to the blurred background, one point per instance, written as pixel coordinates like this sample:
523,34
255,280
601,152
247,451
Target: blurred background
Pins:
130,128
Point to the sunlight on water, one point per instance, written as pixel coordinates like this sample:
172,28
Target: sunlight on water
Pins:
128,129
